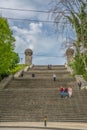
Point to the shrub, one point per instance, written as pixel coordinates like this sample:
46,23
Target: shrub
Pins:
77,65
17,68
85,75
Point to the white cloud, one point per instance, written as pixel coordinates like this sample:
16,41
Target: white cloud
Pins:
35,28
27,37
31,46
34,39
32,35
20,44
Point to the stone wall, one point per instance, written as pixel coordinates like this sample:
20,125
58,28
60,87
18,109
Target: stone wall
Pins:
77,77
18,74
5,81
84,83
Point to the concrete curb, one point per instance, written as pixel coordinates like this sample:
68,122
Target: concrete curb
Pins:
50,125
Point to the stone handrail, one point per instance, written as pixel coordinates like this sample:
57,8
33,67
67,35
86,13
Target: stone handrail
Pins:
84,83
18,74
78,77
5,81
69,68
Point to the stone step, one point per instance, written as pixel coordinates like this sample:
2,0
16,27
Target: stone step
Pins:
46,67
40,84
42,79
30,99
37,118
36,97
48,76
42,113
48,71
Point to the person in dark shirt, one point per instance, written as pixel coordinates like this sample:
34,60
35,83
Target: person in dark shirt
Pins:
79,84
33,75
66,93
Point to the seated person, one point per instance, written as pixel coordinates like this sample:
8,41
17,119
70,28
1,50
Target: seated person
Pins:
33,75
66,92
70,91
22,73
61,91
48,67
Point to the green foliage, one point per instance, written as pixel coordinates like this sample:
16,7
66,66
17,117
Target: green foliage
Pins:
75,12
5,57
17,68
6,35
79,23
8,58
85,75
78,65
15,60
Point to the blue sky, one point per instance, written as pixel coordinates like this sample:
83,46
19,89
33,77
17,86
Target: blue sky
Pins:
38,36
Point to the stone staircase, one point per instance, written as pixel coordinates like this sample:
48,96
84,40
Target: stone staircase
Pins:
29,99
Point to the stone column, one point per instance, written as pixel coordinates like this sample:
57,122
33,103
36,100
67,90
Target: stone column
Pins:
69,54
28,56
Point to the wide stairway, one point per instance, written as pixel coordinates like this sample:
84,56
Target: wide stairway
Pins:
29,99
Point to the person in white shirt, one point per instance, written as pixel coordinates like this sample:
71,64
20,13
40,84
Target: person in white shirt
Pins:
54,77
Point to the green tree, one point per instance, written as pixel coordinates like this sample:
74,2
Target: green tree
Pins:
7,54
72,12
15,60
78,65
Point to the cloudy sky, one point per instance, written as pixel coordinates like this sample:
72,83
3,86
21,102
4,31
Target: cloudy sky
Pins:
30,32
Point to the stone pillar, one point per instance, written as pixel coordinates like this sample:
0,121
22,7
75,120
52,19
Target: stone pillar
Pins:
69,54
28,56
